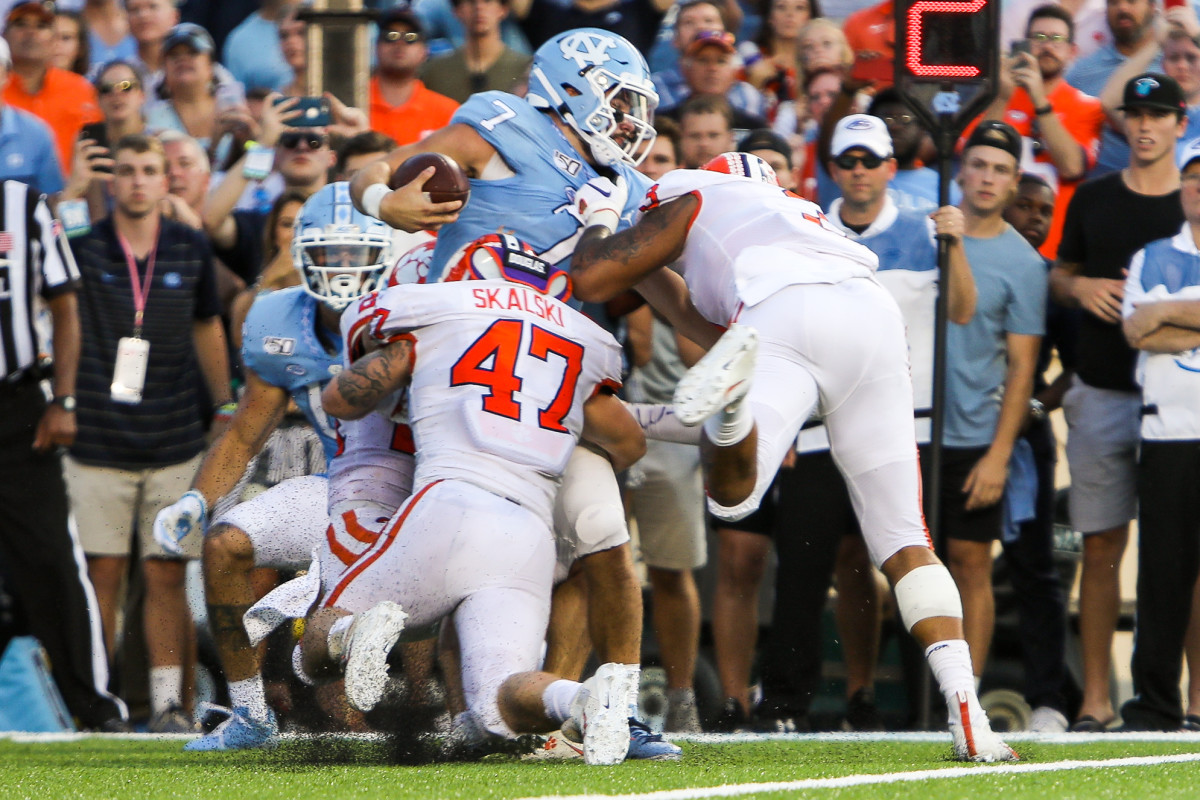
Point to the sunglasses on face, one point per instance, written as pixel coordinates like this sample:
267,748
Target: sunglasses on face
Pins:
846,161
898,119
408,37
120,87
1052,38
292,139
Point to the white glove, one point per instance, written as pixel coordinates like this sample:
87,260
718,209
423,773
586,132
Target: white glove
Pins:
601,202
176,521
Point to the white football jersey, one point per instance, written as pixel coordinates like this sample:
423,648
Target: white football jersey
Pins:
750,239
500,376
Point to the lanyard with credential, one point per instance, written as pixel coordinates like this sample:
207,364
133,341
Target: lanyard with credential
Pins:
141,291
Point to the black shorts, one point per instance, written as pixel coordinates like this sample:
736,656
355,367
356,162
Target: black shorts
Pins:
979,525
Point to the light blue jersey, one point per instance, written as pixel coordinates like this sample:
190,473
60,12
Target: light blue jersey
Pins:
279,342
537,204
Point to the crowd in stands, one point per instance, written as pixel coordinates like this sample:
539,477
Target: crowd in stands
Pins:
1098,117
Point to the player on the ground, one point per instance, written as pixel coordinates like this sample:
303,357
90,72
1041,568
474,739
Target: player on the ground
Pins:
505,378
811,332
291,349
588,113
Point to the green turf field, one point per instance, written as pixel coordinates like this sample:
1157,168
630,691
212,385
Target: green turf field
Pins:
143,767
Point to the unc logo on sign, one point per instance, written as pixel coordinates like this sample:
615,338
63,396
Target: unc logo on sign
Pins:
586,48
278,346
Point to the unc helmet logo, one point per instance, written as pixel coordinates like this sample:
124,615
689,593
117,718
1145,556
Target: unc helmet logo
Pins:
586,48
1145,86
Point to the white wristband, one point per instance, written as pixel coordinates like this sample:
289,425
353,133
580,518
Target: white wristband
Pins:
373,197
607,218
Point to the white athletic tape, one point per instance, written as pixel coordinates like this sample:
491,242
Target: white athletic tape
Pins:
926,592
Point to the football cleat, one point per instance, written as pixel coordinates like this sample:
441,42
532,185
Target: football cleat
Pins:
371,637
720,379
974,739
645,745
238,732
556,747
601,709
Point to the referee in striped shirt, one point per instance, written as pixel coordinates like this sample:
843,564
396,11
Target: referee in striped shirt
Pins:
40,558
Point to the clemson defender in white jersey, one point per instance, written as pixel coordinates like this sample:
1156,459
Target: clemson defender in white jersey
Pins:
811,331
504,380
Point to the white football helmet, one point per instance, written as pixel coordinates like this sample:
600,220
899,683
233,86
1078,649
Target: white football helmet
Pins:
597,82
341,253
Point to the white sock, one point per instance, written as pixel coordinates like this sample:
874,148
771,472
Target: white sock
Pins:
166,688
730,425
950,662
337,637
249,694
556,699
635,679
659,422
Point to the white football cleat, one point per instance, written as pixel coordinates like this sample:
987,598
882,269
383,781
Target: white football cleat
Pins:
974,739
371,637
720,379
601,708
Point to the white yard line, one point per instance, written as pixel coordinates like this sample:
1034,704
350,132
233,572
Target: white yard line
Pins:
742,789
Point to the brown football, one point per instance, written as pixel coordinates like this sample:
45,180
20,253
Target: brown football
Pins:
448,183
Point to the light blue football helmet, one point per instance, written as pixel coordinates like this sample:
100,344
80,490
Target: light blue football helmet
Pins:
341,253
595,81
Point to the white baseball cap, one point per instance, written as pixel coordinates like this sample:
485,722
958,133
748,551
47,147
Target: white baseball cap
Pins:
1188,153
5,53
862,130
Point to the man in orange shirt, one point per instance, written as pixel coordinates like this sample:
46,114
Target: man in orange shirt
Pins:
401,106
66,101
1060,124
871,34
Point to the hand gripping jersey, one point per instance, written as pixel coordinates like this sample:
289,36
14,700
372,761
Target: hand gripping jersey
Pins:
279,342
537,203
500,376
749,239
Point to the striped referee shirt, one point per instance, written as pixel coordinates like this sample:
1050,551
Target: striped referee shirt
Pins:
34,260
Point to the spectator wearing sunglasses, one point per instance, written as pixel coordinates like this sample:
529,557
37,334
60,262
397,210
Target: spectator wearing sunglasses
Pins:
119,87
64,100
401,106
302,160
27,152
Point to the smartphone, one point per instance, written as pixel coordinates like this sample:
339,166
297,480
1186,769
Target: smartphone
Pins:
314,112
1019,46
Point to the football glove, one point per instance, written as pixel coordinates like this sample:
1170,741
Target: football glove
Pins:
601,202
177,520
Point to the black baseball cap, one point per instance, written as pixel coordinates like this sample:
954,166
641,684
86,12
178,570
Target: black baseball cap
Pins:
766,139
401,13
192,35
994,133
1154,90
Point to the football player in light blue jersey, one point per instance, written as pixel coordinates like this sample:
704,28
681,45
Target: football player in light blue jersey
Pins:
291,348
585,124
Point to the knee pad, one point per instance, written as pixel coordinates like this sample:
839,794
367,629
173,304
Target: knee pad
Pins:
925,592
599,526
740,511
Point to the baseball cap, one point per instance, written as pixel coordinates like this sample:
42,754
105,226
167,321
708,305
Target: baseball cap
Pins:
5,54
719,39
401,13
192,35
1188,153
1153,90
861,130
40,8
994,133
765,139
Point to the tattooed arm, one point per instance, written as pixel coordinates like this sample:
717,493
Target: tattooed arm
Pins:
357,390
606,264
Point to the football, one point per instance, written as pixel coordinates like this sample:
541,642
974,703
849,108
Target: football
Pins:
448,183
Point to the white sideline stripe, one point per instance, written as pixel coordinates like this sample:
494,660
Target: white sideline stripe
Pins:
738,789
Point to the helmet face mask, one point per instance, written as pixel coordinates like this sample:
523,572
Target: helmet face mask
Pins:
340,252
600,87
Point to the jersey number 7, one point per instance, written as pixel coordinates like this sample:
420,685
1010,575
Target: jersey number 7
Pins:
501,343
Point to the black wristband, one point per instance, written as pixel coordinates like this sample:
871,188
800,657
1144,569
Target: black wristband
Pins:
1041,111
